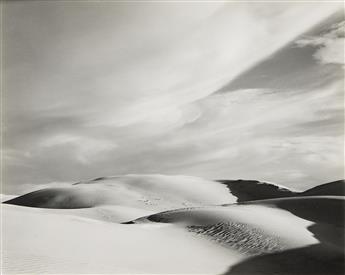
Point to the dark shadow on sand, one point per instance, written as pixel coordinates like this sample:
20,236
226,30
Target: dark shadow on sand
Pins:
313,260
324,258
250,190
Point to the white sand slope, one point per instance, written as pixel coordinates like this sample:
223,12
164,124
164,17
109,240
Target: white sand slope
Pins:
77,229
38,241
259,229
202,240
148,192
297,235
123,198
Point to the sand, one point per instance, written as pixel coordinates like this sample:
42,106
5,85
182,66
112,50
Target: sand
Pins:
154,224
39,242
147,192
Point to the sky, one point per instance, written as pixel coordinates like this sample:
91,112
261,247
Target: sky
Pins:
220,90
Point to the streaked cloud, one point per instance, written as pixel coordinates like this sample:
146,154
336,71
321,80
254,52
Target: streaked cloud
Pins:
330,44
101,88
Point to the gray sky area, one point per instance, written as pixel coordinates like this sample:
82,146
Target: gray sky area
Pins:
216,90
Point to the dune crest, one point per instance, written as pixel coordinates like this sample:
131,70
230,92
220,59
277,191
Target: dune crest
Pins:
232,227
149,192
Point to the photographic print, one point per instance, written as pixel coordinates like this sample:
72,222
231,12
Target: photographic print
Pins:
172,137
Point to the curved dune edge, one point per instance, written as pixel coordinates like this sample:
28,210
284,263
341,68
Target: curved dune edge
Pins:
261,221
148,192
42,241
276,232
252,190
335,188
325,257
262,236
218,237
160,192
248,190
122,198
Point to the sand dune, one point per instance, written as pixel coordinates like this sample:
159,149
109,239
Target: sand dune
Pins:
77,229
314,208
273,231
247,190
311,260
153,192
4,198
326,257
122,198
335,188
254,222
160,192
149,192
41,241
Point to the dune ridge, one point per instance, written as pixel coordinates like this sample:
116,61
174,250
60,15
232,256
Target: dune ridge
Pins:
249,227
249,190
150,192
335,188
311,234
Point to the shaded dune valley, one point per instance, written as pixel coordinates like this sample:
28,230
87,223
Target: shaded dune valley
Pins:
157,224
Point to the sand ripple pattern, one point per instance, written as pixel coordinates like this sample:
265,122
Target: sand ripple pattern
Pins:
241,237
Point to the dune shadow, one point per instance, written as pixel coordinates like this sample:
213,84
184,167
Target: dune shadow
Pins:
314,259
251,190
327,257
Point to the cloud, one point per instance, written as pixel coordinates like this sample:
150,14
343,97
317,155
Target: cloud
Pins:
85,148
266,134
99,88
256,133
330,45
118,70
